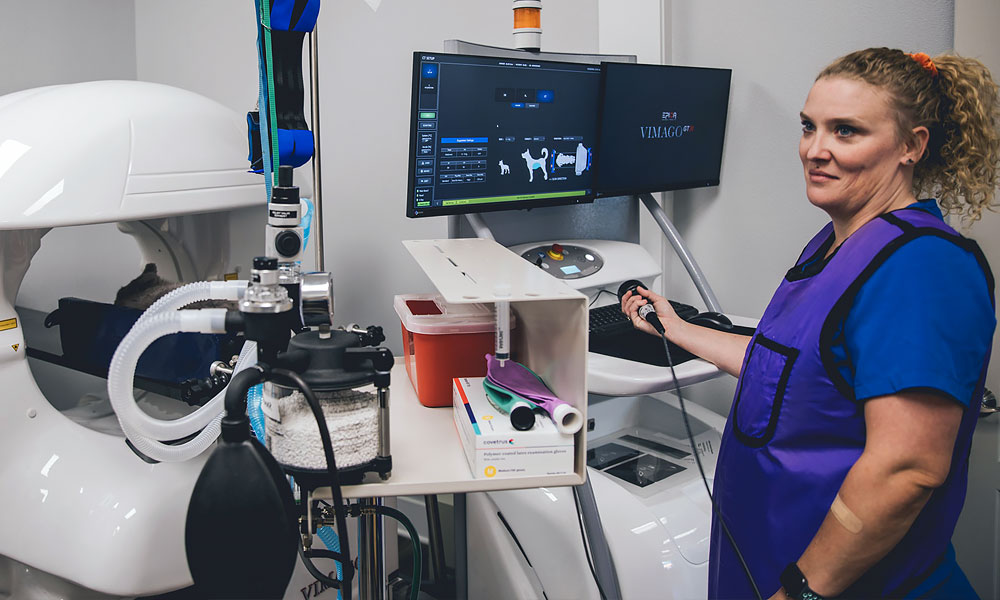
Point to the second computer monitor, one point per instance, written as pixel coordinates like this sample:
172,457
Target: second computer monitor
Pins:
662,128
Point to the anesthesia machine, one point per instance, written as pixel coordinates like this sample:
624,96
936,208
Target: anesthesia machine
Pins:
119,488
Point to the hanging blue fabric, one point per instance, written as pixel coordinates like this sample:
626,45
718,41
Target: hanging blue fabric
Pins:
282,25
295,146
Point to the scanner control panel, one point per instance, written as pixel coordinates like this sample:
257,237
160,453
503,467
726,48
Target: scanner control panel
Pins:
564,261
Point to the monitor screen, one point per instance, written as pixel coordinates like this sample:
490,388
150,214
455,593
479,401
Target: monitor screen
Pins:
662,128
500,133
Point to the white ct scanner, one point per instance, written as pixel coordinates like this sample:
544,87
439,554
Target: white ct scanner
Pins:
82,515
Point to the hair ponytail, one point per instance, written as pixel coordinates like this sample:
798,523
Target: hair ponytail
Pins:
957,100
963,167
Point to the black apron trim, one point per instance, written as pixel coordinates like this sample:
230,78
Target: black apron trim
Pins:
906,226
802,255
790,354
814,264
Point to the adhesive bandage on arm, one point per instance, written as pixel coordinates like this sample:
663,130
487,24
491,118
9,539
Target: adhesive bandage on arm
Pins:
846,516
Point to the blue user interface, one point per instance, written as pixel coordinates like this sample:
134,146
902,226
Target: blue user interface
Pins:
491,133
662,127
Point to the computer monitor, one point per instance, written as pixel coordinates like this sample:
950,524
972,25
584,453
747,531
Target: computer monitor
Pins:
496,133
662,128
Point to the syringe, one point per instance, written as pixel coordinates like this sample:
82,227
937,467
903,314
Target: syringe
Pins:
501,293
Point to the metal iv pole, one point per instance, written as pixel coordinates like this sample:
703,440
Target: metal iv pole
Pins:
372,582
317,226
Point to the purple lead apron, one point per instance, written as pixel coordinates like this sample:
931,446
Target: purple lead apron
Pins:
795,430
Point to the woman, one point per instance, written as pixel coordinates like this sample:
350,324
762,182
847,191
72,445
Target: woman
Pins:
843,465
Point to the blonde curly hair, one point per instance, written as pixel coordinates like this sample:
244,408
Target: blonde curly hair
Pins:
960,106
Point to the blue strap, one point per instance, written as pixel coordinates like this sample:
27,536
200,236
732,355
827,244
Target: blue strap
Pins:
308,19
295,146
281,14
282,10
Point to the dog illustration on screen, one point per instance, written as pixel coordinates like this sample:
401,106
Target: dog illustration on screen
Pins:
536,163
504,168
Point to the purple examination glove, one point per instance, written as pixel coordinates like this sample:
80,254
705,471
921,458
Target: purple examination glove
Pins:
522,381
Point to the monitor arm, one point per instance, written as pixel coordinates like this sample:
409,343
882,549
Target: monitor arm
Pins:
674,237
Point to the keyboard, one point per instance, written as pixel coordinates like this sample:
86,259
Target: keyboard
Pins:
612,334
610,320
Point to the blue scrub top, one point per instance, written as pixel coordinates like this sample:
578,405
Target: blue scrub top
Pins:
918,323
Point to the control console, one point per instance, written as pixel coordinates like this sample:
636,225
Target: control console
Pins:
590,264
565,261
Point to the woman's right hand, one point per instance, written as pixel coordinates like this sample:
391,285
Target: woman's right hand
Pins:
632,302
724,350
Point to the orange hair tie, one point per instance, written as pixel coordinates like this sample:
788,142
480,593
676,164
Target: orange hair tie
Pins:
924,61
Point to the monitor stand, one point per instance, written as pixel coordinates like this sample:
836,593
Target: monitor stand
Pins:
682,251
476,222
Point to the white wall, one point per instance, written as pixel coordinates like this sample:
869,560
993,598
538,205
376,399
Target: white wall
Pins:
44,42
747,232
976,36
206,47
365,61
47,42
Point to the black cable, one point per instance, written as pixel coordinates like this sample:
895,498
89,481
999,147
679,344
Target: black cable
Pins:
323,554
598,295
338,500
586,546
319,575
704,479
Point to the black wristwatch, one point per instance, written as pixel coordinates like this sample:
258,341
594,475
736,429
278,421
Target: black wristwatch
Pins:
795,584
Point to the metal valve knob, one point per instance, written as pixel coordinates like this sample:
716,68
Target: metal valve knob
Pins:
317,299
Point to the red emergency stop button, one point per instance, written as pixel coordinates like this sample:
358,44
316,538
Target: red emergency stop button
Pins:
556,252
